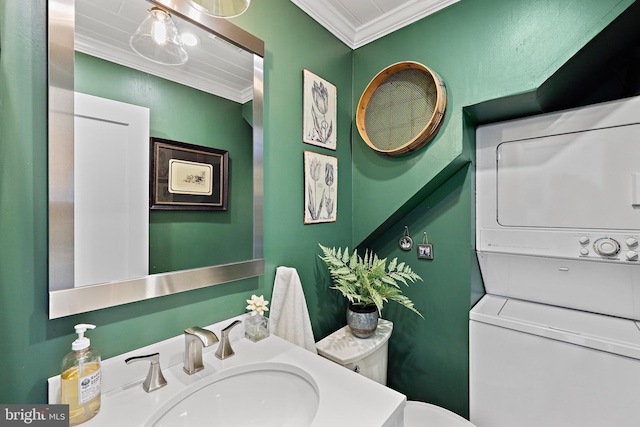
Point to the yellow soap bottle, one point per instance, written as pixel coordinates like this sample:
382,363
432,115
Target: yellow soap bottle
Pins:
80,382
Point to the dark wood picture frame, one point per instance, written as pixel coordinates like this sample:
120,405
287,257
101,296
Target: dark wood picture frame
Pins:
188,177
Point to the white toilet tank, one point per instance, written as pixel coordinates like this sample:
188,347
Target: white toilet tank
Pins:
367,356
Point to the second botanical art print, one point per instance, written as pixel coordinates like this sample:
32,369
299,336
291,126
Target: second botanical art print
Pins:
321,188
319,111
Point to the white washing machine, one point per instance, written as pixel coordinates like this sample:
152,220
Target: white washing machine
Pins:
556,339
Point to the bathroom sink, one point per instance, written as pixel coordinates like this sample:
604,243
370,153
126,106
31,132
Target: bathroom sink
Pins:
267,383
261,394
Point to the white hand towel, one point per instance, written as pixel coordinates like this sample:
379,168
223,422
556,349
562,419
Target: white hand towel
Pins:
289,316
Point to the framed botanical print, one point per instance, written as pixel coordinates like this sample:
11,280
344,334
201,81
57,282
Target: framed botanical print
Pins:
319,111
321,188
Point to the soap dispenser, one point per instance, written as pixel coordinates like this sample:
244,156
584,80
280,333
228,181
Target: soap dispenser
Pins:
80,385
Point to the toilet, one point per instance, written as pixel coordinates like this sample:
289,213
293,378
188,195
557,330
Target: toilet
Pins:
368,357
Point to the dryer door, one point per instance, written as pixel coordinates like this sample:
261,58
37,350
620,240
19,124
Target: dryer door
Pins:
578,180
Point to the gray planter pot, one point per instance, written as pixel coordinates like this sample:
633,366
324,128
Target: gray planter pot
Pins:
363,321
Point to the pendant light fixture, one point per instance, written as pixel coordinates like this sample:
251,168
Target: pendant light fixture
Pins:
221,8
157,39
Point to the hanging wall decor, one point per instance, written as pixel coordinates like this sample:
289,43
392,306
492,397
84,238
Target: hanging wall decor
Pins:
401,109
405,242
319,111
188,177
425,249
320,188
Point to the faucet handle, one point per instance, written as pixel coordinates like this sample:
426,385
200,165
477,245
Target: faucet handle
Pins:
155,379
224,348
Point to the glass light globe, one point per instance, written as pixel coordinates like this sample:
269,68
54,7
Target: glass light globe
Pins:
157,39
221,8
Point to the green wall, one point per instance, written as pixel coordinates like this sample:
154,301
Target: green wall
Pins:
186,239
435,348
294,42
483,49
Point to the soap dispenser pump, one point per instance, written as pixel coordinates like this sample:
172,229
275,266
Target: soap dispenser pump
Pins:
80,382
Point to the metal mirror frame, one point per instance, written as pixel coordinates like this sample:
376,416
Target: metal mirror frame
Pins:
65,300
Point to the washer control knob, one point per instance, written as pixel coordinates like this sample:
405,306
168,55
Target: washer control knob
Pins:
584,240
606,246
632,255
584,251
632,242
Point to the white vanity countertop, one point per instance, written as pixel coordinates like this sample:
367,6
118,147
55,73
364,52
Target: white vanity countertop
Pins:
345,398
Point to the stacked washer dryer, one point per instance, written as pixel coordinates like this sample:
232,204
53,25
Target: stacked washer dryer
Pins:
555,342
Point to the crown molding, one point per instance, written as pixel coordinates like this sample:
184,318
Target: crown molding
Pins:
354,37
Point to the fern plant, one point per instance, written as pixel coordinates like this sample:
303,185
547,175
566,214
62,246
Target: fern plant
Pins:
366,281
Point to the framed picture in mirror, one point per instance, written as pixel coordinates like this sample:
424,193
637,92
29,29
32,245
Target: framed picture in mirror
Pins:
188,177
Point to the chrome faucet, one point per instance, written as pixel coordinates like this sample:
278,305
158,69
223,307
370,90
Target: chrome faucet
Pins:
224,348
195,338
155,379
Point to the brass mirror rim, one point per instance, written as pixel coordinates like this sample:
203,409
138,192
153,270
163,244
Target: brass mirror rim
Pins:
427,132
65,300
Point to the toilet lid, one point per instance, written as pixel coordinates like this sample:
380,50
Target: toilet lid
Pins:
344,348
418,414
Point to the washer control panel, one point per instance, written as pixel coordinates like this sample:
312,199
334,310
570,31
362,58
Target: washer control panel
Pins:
611,246
606,247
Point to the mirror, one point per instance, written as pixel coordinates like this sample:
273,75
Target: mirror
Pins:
65,297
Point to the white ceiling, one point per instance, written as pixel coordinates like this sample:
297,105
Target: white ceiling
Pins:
358,22
103,29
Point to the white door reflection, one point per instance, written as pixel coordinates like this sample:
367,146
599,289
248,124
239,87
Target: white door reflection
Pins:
111,215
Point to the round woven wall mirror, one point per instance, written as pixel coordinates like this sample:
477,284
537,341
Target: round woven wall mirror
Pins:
401,109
